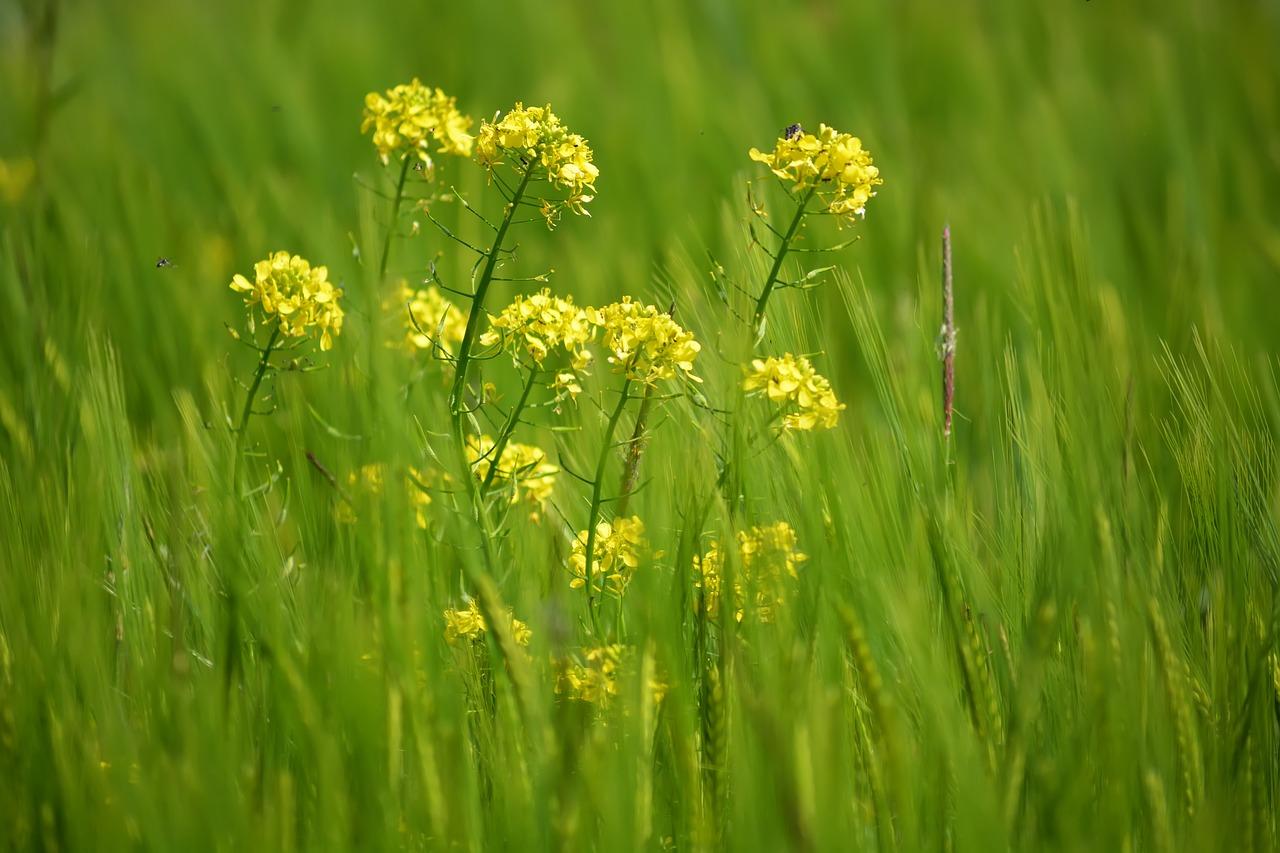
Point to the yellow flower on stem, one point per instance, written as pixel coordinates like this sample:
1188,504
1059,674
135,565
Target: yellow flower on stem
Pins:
469,624
832,163
523,466
768,560
542,144
407,118
618,549
532,327
431,321
791,382
297,296
645,343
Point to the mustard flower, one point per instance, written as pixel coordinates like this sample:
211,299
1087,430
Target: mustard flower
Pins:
592,675
537,138
644,343
531,327
523,466
296,295
791,382
768,559
594,678
431,321
407,118
833,164
469,624
618,547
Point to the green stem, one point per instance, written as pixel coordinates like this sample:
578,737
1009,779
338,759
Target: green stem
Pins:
597,484
247,411
505,436
477,300
771,282
395,218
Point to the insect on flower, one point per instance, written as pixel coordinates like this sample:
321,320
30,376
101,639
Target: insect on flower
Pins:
792,131
163,262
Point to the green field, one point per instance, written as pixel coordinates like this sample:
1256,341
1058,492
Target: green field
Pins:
1054,630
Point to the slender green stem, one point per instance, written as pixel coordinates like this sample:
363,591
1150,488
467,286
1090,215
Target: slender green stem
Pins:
631,468
463,361
597,485
395,218
247,411
505,436
772,280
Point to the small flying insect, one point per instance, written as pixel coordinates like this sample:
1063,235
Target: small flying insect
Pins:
163,262
793,130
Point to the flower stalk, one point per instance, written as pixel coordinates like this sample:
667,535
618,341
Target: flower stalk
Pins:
395,218
771,281
463,362
264,362
593,515
505,435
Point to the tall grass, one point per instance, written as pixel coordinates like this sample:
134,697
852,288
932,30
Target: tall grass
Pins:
1056,629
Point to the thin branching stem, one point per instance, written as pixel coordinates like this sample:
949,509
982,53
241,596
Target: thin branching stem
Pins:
771,280
395,218
507,429
263,363
593,515
477,300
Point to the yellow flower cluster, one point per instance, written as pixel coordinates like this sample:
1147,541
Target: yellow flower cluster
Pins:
431,320
833,163
536,136
368,480
535,325
409,116
792,382
469,624
524,467
644,343
294,293
768,559
617,551
419,498
595,678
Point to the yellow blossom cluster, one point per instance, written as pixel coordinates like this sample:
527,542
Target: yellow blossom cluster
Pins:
431,321
469,624
408,117
593,679
616,554
522,466
791,382
368,480
537,137
832,163
767,562
295,294
535,325
644,343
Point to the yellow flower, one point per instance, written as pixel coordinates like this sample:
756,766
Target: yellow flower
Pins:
522,466
767,564
408,117
644,343
592,676
615,556
416,484
535,325
537,138
469,624
832,163
16,176
295,294
431,322
791,382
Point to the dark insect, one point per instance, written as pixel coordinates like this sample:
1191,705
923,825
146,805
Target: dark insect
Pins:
793,130
163,262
